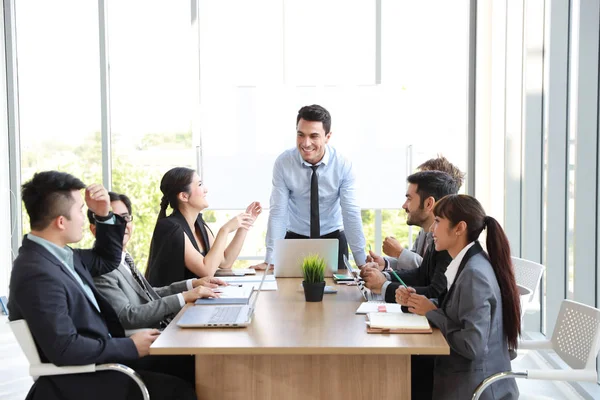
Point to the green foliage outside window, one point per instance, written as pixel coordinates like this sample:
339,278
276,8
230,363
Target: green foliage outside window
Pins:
140,181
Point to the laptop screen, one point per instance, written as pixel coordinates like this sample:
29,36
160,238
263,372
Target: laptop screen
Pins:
253,304
359,283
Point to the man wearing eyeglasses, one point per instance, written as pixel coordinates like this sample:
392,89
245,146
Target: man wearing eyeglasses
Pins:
137,304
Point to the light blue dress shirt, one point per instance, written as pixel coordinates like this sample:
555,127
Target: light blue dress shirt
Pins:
338,205
65,255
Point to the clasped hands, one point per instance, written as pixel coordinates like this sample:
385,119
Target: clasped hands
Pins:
416,303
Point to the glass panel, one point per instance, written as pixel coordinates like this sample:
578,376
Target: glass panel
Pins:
59,90
151,94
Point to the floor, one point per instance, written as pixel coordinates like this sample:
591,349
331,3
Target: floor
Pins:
15,381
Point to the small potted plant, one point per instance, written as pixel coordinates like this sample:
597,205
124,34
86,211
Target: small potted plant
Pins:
313,270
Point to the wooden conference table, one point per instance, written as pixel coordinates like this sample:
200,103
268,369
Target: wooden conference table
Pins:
299,350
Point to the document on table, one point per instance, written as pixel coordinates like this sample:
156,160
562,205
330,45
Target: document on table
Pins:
378,306
243,279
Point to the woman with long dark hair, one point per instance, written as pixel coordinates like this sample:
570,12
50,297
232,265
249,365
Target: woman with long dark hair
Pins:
480,314
183,246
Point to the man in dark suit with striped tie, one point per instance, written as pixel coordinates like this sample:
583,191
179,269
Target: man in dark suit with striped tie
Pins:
138,305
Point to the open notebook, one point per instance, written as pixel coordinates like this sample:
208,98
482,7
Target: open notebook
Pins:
392,322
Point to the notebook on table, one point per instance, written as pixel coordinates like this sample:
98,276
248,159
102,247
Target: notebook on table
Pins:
226,316
393,322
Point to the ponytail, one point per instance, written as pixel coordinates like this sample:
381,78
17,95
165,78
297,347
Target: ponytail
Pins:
498,250
164,202
460,207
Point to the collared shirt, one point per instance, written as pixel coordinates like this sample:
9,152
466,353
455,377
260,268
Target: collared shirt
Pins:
452,269
338,204
65,255
189,285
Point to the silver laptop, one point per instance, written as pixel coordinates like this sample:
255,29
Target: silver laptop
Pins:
365,292
226,316
359,282
289,254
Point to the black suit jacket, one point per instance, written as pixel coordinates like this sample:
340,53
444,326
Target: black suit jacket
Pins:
66,326
428,280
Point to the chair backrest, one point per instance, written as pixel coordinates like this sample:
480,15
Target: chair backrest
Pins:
576,336
21,331
528,273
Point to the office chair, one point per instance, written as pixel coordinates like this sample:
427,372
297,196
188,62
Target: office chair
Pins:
36,368
576,340
528,275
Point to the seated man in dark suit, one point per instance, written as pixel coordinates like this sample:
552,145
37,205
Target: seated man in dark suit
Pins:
424,190
51,288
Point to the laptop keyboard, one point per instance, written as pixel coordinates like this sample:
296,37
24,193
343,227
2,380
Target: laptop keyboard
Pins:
225,315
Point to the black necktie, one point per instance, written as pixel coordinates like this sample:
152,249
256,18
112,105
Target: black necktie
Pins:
138,278
315,225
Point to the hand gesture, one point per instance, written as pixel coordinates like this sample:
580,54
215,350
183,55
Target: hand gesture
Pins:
243,220
402,295
97,200
391,247
262,266
254,209
372,257
143,340
418,304
373,277
200,292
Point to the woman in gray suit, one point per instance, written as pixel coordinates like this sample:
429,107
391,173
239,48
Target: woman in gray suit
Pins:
480,313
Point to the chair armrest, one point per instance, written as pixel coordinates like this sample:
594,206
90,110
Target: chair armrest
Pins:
130,373
51,369
569,375
535,345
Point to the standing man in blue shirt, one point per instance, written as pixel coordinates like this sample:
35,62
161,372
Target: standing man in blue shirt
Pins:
297,211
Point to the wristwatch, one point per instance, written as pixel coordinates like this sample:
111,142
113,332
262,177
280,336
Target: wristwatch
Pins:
104,218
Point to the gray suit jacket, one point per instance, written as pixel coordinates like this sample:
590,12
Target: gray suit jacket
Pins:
411,259
470,318
134,309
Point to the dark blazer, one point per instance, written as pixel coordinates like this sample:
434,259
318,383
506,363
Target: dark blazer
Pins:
428,280
470,318
166,262
67,328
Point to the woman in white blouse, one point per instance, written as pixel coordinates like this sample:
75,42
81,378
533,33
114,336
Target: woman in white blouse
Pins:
479,315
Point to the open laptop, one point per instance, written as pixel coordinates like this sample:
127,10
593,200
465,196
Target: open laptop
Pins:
226,316
289,254
359,282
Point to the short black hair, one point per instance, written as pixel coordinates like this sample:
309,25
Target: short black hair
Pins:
48,196
113,197
315,113
436,184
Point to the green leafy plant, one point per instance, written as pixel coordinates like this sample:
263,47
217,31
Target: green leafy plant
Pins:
313,269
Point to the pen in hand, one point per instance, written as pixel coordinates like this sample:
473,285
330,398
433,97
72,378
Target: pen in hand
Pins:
399,280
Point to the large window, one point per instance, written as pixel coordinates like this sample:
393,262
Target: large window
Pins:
151,104
59,90
392,104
